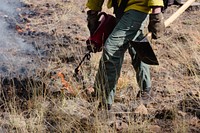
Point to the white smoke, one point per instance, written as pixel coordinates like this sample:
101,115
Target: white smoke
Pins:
9,6
15,54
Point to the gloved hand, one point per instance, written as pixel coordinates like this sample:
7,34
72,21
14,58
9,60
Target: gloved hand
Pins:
92,19
156,25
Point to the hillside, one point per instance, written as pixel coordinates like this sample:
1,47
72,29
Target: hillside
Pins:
43,43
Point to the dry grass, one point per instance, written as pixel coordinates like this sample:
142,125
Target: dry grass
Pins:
175,83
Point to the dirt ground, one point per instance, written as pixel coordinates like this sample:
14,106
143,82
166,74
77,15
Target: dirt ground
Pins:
58,30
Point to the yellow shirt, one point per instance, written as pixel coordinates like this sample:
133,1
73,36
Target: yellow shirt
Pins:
139,5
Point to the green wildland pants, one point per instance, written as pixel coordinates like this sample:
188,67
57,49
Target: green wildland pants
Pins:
129,28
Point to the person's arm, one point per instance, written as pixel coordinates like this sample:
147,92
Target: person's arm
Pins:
156,22
94,7
156,10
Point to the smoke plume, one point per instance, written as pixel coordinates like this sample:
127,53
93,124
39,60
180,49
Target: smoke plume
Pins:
15,55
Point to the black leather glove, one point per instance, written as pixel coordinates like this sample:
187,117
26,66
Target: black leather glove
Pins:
92,19
156,25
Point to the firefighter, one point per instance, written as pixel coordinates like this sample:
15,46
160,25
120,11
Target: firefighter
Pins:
131,26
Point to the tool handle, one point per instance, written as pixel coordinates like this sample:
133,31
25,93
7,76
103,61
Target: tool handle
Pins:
87,55
175,15
178,12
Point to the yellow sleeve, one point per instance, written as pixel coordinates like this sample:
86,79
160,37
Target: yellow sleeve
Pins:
95,4
155,3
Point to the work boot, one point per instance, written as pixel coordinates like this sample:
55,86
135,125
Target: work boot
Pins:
103,106
90,94
144,96
109,106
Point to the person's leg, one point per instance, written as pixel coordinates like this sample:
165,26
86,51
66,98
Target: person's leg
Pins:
142,71
141,68
128,28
